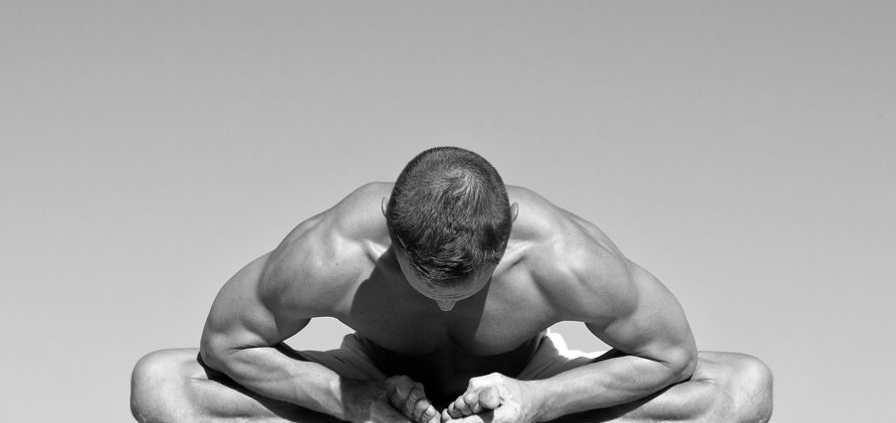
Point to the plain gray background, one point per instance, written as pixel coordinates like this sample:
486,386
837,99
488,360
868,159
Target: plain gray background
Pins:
741,151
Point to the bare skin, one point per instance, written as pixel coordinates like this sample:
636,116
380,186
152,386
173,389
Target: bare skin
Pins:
453,351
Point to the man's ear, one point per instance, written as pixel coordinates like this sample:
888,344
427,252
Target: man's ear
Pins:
514,211
383,205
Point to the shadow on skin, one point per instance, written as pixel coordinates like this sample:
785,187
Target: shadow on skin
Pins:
387,308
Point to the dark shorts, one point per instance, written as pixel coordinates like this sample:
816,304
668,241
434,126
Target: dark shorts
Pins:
351,361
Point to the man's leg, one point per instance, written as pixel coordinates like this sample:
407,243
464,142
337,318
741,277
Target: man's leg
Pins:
172,386
725,388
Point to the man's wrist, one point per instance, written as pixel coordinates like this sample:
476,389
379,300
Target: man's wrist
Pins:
539,401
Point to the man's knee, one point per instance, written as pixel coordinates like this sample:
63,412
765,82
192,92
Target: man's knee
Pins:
155,379
750,386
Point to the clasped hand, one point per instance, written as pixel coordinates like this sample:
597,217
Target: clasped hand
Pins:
493,398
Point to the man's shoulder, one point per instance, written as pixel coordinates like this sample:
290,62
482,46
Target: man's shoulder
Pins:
537,220
356,219
332,249
571,258
364,195
542,223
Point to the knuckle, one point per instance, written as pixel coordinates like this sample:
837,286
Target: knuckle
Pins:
471,397
421,405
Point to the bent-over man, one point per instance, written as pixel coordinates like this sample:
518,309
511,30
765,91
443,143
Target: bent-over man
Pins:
450,281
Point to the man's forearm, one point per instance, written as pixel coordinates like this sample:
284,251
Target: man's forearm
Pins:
603,384
272,373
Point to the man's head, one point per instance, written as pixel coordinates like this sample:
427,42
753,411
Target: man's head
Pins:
449,219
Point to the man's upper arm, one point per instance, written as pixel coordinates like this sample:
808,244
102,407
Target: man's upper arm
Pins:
629,309
263,304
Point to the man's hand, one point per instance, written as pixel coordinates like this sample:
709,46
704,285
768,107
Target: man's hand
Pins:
407,396
398,399
493,398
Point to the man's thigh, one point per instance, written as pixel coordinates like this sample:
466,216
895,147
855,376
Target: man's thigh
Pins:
175,385
723,385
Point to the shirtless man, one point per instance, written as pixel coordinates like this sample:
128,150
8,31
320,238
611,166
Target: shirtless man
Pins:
449,281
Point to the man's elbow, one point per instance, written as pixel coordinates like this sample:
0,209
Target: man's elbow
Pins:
220,353
681,363
214,354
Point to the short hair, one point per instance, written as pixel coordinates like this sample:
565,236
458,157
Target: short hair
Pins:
449,214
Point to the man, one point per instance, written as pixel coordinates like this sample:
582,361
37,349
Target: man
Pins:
450,281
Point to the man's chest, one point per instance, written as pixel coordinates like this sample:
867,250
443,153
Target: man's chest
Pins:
496,320
492,331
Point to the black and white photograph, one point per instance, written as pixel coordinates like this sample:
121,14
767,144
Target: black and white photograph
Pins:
448,211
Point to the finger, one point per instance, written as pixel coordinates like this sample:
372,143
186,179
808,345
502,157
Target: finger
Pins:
461,406
472,401
397,400
454,409
399,388
429,415
414,398
420,409
404,385
489,398
403,396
